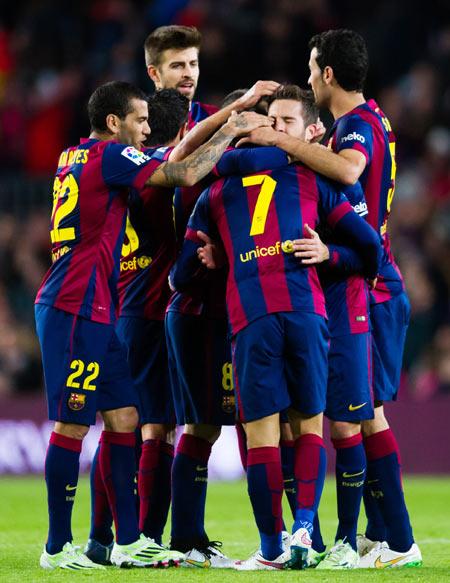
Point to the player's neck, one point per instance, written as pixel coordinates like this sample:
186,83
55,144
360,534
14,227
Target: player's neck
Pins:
102,136
344,101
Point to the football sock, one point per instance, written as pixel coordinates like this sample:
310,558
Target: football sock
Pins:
287,465
117,465
189,487
310,468
155,468
101,517
350,476
265,488
62,464
375,529
385,483
242,444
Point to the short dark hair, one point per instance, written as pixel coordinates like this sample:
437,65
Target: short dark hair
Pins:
170,37
304,96
168,110
260,107
112,98
345,51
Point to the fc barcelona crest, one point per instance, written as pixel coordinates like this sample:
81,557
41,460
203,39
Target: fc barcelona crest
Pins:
76,401
228,403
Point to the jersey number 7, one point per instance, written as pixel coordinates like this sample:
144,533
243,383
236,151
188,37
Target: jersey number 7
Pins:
268,185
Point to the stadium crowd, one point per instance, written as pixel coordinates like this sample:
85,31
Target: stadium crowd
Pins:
50,60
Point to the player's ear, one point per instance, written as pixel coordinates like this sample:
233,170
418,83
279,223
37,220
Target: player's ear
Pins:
113,123
154,75
327,75
310,132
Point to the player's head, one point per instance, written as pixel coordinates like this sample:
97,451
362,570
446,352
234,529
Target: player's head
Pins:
119,110
167,115
171,56
338,58
293,111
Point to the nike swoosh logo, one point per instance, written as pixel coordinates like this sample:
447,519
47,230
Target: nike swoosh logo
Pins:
202,564
379,564
69,488
372,481
201,469
347,475
289,480
356,407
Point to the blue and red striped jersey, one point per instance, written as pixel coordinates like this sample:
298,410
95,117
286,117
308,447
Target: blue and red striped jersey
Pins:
367,129
210,297
148,253
199,111
88,223
257,217
346,293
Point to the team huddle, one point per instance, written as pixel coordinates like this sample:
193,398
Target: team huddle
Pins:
217,267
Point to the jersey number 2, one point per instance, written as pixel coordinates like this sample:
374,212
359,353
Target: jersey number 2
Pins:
66,189
268,185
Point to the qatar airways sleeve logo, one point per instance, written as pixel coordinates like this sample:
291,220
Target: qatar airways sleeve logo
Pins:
353,137
134,155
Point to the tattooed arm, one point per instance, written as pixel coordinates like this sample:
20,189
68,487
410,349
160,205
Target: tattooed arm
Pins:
198,164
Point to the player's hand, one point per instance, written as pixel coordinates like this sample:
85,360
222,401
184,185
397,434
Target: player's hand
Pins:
255,93
241,124
310,250
212,254
264,136
319,131
372,283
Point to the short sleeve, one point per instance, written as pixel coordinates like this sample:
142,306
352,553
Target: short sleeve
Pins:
354,133
199,219
333,204
125,166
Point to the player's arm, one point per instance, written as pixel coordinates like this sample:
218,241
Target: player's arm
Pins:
187,267
354,150
203,130
348,225
198,164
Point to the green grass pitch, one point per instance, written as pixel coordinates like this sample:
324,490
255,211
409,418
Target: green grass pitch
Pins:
23,524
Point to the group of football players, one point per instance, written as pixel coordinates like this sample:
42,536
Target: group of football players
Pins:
221,267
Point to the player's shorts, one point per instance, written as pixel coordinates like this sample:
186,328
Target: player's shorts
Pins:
200,370
349,390
280,361
389,322
85,367
145,345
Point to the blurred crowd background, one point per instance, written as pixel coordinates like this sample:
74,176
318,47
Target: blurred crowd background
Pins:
53,54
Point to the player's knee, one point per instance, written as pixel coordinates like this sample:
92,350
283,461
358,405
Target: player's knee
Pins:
377,424
124,420
71,430
343,429
162,431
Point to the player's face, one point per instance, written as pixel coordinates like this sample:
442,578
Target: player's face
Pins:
178,70
316,81
134,129
287,117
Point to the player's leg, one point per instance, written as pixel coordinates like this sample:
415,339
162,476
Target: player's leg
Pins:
306,370
389,324
201,376
145,345
261,393
73,410
117,402
349,401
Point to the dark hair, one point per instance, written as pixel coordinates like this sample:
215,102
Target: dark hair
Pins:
170,37
345,52
112,98
167,112
260,107
304,96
